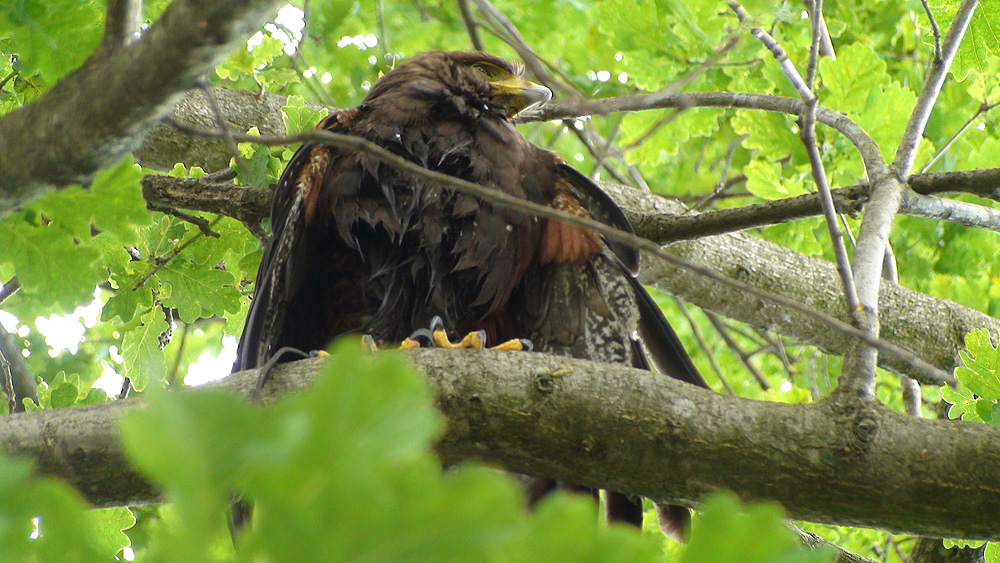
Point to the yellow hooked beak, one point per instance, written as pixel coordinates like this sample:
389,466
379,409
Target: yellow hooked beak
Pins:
516,95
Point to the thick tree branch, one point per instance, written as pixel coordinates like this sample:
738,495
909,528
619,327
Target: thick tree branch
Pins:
887,194
930,327
101,110
683,442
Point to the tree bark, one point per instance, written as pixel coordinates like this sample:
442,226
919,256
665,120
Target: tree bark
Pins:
627,430
100,111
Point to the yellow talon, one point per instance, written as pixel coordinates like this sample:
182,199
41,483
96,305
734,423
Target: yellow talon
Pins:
409,344
441,339
514,345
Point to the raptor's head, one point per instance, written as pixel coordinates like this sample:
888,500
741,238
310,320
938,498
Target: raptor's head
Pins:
469,82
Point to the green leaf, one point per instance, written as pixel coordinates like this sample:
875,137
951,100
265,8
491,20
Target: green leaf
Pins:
51,38
764,180
299,117
198,292
992,553
49,263
856,69
110,525
981,41
115,197
143,358
126,301
981,372
725,532
64,395
963,403
65,532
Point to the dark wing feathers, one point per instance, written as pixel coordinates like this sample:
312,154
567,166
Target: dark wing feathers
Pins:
270,296
665,348
602,208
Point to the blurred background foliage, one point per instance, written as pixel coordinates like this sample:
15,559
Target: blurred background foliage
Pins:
169,301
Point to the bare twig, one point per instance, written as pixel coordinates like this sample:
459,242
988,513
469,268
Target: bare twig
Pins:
910,141
9,288
934,30
983,109
723,183
122,23
704,345
866,146
471,24
200,222
808,135
955,211
816,18
858,378
498,198
737,350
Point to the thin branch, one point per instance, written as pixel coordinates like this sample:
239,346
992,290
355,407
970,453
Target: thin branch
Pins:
858,377
741,355
499,198
122,23
910,141
808,136
954,211
704,345
860,138
816,19
203,225
471,24
934,30
983,109
23,383
9,288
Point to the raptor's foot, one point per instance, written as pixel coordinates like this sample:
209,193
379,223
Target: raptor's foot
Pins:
437,337
515,345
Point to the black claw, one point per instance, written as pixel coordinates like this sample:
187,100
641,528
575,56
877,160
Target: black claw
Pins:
437,323
527,344
482,336
265,370
424,337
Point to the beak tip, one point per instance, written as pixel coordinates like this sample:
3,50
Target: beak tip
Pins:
536,95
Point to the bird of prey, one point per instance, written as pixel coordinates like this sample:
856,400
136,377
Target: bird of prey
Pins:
360,247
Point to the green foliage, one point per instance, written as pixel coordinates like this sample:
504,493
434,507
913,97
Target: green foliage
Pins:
724,532
42,519
299,117
170,293
346,465
51,37
978,393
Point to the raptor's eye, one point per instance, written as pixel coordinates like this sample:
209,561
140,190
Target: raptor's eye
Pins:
484,70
